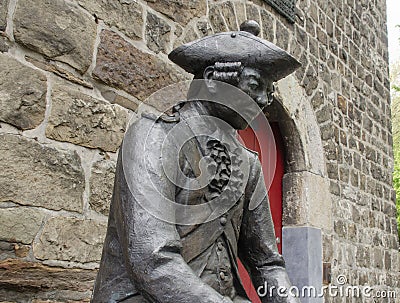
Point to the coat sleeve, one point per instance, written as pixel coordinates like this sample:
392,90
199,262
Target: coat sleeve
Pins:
257,243
151,246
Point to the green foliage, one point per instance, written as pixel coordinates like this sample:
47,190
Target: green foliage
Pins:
396,183
395,96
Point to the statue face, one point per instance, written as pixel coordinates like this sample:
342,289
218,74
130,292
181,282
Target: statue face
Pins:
257,86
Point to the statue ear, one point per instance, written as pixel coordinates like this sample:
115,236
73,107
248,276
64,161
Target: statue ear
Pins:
209,80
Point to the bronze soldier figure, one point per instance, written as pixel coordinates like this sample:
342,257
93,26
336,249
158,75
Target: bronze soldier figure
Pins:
187,253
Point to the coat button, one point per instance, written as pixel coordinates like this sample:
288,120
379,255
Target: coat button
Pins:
220,246
223,221
222,275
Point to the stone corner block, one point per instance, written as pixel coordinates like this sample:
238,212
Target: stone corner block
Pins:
302,250
307,200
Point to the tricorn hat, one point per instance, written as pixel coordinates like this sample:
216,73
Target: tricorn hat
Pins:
238,46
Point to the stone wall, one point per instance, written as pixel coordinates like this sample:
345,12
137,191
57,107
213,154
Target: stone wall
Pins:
72,74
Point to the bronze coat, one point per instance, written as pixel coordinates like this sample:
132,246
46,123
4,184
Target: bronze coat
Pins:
148,260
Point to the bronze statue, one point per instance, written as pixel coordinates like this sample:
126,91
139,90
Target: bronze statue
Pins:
188,198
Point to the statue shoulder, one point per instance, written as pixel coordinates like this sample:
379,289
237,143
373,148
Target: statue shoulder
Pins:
254,161
167,118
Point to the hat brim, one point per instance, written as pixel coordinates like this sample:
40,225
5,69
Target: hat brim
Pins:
240,46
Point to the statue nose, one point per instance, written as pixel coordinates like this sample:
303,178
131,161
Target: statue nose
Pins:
262,100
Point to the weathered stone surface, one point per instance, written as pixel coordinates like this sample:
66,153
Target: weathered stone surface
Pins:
3,14
189,36
20,224
122,65
59,71
240,9
178,10
228,11
22,94
252,12
101,186
38,175
81,119
13,250
157,33
52,301
216,20
124,15
204,28
22,275
34,295
71,239
58,29
113,97
268,23
307,200
21,251
4,44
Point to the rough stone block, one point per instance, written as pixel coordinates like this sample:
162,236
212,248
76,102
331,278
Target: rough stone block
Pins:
157,33
101,186
268,22
240,9
13,250
57,29
38,175
71,239
23,275
228,11
178,10
59,71
204,28
20,224
22,94
4,44
120,64
3,14
124,15
189,36
81,119
216,20
307,200
114,98
282,36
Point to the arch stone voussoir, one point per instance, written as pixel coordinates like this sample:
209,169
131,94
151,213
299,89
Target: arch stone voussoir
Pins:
306,196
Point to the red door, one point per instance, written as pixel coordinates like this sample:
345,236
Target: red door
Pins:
275,190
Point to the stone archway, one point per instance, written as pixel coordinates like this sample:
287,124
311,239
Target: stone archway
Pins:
307,205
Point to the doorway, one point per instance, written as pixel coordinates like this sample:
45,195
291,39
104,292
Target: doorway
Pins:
249,137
